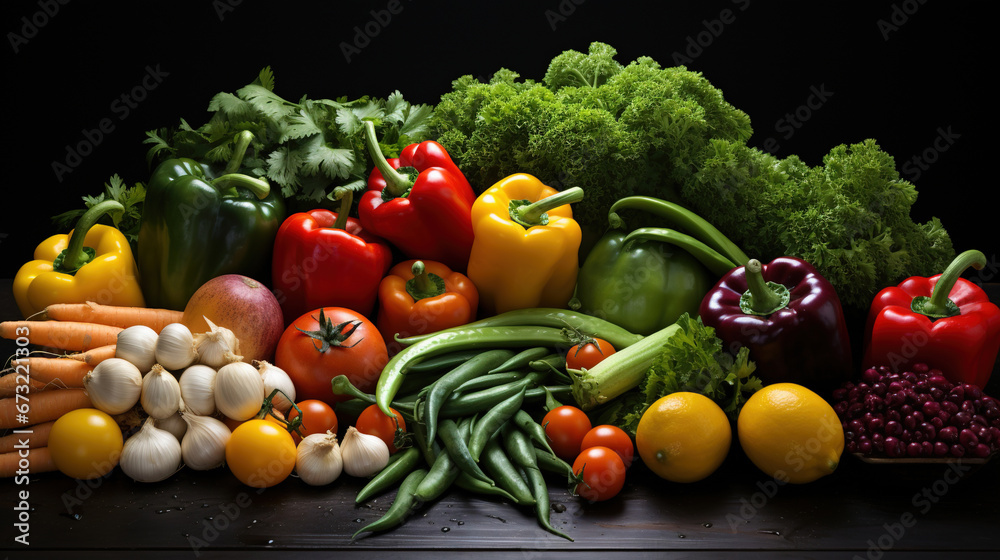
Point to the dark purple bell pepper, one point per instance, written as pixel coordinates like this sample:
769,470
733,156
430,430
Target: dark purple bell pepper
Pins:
790,318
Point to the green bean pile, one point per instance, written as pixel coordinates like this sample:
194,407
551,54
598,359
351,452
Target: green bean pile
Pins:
468,395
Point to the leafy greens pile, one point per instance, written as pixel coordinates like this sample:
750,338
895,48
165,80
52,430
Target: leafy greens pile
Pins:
308,147
641,129
692,360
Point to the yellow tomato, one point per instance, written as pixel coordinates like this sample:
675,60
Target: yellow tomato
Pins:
260,453
85,443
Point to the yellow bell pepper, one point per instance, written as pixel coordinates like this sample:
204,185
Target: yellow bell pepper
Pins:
525,250
92,263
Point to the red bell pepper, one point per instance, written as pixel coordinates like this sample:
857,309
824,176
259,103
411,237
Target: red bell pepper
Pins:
790,318
326,259
420,202
944,321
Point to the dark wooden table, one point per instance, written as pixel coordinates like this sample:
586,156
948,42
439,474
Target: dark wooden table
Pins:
861,511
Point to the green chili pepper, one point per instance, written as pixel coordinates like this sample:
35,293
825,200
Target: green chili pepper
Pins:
400,465
532,429
496,462
444,362
457,447
482,400
490,380
492,421
446,385
522,455
402,505
549,462
522,359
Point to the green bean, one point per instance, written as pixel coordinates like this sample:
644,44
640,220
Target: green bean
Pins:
533,429
551,463
521,359
519,449
458,406
440,477
457,447
539,393
342,386
471,484
451,340
402,505
400,465
446,385
491,422
555,361
444,362
415,382
490,380
496,462
546,317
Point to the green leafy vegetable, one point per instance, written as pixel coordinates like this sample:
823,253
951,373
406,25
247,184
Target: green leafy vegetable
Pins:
126,221
692,359
308,147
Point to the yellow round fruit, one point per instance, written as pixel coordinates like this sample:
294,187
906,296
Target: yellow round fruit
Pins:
85,443
683,437
791,433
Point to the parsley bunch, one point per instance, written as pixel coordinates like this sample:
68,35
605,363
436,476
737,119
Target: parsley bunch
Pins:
307,147
126,221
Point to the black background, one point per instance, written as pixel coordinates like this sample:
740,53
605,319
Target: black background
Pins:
899,72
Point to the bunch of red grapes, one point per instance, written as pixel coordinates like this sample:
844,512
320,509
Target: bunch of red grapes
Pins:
917,413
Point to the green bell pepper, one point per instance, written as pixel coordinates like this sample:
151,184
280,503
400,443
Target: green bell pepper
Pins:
198,224
643,280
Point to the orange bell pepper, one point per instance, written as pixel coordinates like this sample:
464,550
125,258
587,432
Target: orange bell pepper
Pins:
423,297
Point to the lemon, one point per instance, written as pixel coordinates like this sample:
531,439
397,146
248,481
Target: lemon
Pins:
791,433
683,437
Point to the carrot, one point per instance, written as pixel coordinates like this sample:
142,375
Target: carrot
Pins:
41,407
112,315
38,460
39,437
94,356
62,372
66,335
9,383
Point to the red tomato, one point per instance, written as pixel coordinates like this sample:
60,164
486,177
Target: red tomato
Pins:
373,421
588,354
565,427
603,474
345,343
317,418
613,438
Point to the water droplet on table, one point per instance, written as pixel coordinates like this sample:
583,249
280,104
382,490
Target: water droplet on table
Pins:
445,529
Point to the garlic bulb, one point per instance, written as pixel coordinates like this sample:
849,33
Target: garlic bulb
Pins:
114,385
151,455
204,443
175,347
318,459
217,347
239,390
276,378
197,384
363,454
161,393
137,344
173,424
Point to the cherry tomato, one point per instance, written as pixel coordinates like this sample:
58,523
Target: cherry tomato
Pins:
588,354
565,427
85,443
373,421
346,342
603,474
260,453
317,418
613,438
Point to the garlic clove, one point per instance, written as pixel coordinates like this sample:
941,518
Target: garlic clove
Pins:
363,454
114,385
239,390
197,383
276,378
217,347
204,443
151,454
173,424
175,347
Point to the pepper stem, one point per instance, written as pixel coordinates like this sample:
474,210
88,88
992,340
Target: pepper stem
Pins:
346,197
258,186
536,213
762,298
424,284
396,183
243,139
76,255
939,305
